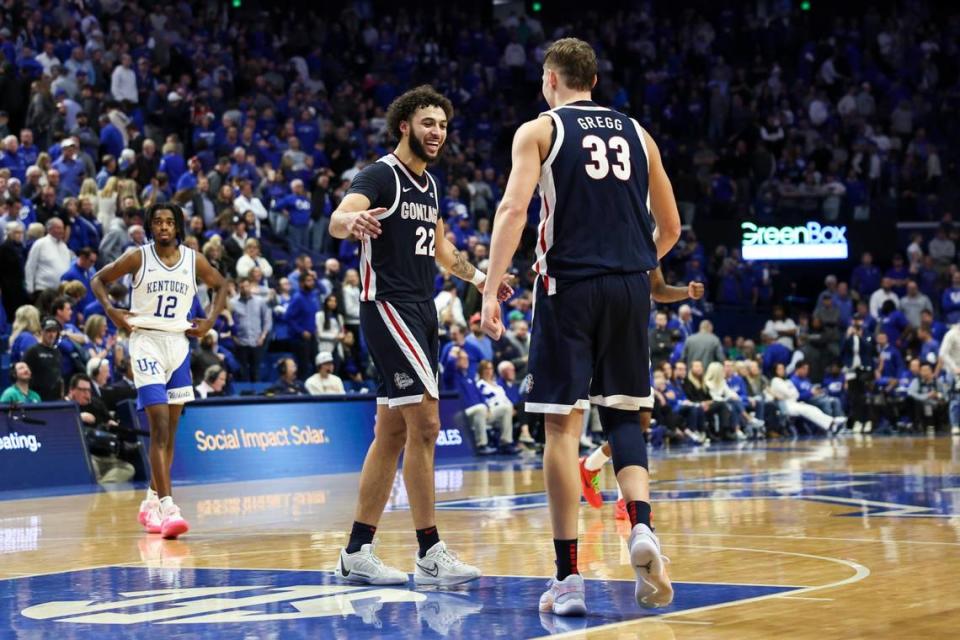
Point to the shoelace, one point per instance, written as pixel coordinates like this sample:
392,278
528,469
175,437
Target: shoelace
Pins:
449,558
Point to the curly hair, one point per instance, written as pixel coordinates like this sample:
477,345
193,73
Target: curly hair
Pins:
403,108
178,221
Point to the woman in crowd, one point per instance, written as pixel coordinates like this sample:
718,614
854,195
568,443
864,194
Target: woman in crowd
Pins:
719,422
786,394
25,333
330,328
98,344
716,384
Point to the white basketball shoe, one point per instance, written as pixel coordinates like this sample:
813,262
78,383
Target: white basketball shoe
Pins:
653,585
364,567
442,567
565,597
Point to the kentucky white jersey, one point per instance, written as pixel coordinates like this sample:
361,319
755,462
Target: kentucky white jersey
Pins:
162,295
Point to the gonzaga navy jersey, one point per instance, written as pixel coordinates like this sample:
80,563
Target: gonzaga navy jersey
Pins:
399,266
595,203
162,295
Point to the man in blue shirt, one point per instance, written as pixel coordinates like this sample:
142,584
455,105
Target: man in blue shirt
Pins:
456,375
813,394
774,353
297,208
82,269
479,339
71,169
889,362
866,277
12,159
301,316
950,300
457,339
28,150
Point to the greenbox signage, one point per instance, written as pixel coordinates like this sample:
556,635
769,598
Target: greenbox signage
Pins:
811,241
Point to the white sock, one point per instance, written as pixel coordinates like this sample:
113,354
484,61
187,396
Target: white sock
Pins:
152,496
165,503
595,460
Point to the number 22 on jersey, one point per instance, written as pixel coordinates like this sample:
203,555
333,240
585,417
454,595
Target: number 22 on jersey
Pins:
426,241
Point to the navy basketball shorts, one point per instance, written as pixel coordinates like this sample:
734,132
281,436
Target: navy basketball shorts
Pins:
403,338
589,344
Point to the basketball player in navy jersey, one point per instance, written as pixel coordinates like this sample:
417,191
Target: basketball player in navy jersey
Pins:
165,276
392,208
601,179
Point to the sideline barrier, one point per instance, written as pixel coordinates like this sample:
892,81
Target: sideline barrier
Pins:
41,445
246,438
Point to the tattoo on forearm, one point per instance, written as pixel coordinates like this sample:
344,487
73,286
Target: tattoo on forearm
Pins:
461,267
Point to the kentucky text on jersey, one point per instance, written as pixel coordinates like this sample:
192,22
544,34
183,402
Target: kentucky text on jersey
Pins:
168,286
595,201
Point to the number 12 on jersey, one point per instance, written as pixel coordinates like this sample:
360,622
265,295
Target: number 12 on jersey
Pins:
425,236
166,309
599,166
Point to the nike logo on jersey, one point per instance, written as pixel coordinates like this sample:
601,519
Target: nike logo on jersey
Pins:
432,572
407,189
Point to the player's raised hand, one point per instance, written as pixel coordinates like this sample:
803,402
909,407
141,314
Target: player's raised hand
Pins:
490,318
695,290
364,224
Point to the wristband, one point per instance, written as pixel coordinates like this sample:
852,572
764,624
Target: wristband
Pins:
479,277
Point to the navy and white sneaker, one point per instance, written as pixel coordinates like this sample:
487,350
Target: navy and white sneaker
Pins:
364,567
653,585
565,597
442,567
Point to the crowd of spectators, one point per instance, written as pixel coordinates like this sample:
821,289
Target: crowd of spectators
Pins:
256,122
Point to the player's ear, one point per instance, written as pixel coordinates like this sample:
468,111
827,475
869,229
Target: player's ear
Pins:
594,83
404,127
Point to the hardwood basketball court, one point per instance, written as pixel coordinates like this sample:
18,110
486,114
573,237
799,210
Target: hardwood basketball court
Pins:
849,538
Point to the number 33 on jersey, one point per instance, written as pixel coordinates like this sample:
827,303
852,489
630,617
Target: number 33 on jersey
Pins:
595,197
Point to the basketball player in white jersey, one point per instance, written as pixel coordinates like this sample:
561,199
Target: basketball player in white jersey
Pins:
165,276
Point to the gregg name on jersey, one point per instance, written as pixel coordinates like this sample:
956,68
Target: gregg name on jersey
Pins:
599,122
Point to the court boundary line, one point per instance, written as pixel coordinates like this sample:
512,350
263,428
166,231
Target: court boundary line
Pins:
860,573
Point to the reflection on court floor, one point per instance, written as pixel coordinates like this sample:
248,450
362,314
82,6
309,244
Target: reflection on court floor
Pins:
214,603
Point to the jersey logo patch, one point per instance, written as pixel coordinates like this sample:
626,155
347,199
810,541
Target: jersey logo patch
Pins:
402,380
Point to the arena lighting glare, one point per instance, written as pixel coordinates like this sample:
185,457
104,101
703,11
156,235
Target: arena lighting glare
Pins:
805,6
236,3
809,242
536,6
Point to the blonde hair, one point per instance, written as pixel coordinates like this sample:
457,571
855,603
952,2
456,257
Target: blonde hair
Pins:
94,325
128,189
574,60
714,379
73,288
111,187
26,318
88,189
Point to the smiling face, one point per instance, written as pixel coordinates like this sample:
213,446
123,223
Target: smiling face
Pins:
426,133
